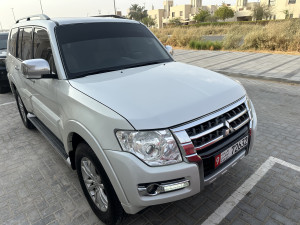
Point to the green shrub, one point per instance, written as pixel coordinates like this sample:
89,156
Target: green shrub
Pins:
205,45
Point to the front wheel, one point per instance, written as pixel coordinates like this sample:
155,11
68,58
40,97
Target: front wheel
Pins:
96,186
23,112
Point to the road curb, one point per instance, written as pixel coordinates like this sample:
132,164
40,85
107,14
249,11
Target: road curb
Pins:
242,75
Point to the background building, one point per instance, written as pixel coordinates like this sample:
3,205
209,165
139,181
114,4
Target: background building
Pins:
185,12
243,10
283,8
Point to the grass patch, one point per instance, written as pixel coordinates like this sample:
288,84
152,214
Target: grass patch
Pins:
205,45
270,36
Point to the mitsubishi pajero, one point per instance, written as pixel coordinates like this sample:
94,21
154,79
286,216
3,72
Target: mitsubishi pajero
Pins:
140,128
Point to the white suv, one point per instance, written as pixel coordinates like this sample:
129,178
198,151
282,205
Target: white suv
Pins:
139,128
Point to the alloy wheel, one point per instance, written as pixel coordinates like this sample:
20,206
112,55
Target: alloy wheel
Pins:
94,184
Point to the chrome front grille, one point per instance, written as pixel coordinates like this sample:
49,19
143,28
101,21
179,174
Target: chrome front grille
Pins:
195,136
213,130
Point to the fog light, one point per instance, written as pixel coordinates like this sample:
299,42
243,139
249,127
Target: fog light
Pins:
176,186
159,188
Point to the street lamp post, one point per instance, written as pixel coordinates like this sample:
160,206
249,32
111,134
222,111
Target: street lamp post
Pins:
12,9
115,7
41,7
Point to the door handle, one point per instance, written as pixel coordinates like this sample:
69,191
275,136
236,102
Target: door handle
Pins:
17,68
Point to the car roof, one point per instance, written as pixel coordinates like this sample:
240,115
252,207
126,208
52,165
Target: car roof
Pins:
72,20
64,21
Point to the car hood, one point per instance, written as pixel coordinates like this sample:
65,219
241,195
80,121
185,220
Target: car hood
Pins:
161,96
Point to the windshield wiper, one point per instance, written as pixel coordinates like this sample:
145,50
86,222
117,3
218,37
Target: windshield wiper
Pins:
119,68
95,72
2,48
143,64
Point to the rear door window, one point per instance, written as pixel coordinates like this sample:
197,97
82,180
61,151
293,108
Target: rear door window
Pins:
27,44
13,41
19,51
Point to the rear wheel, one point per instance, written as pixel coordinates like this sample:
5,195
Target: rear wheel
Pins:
23,112
96,186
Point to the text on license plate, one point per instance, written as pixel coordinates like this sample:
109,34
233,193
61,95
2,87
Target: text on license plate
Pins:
222,157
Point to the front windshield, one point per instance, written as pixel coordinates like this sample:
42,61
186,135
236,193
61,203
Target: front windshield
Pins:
93,48
3,41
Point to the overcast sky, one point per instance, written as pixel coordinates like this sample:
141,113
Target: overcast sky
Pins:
73,8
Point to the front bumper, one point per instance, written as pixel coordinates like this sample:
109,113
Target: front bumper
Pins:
132,173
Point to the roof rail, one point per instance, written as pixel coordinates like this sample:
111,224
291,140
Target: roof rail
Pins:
40,16
113,16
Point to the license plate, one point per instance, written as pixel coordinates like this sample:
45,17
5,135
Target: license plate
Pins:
229,152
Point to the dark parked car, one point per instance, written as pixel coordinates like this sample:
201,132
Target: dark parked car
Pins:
4,85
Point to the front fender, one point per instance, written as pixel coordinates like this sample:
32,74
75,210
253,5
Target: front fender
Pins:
73,126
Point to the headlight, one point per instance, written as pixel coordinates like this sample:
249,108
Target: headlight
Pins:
155,148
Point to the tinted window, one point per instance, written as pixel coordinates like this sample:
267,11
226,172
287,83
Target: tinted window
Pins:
19,49
3,41
13,42
42,47
41,44
26,52
100,47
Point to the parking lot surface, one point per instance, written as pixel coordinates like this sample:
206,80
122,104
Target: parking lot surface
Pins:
276,67
36,186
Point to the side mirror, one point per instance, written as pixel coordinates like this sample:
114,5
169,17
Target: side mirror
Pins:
35,68
170,49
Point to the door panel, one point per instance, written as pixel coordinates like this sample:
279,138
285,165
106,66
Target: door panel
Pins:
17,61
44,95
44,102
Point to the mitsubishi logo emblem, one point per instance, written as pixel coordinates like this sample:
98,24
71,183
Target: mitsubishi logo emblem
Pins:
229,130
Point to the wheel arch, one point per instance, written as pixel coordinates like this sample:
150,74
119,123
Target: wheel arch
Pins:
77,133
74,140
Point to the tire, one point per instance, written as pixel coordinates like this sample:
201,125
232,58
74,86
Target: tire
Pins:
101,197
23,112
